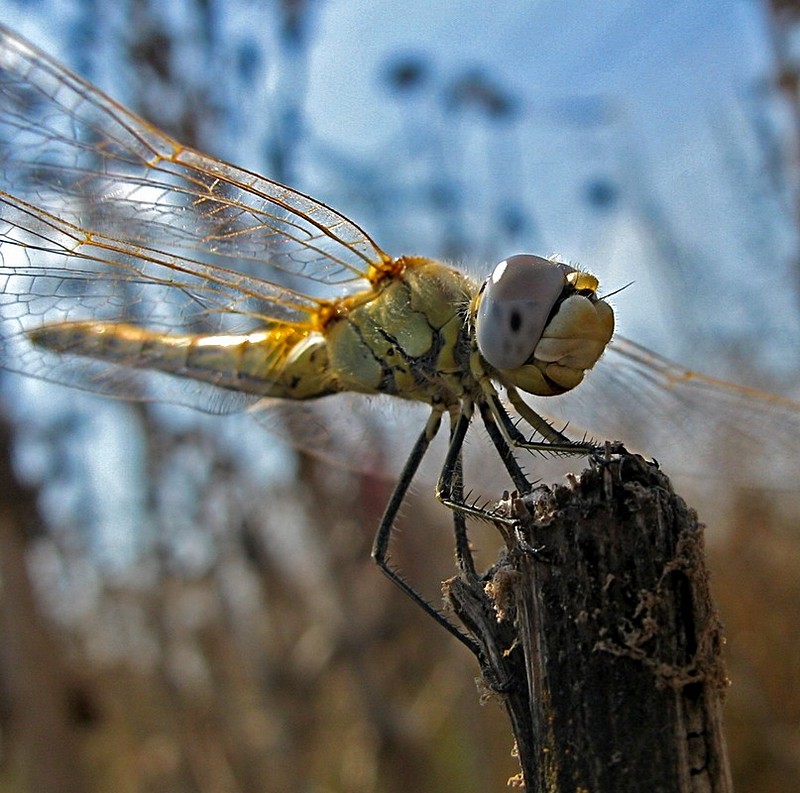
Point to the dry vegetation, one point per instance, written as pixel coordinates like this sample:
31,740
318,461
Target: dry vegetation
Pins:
254,677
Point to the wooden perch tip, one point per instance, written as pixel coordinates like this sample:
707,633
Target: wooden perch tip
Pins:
600,635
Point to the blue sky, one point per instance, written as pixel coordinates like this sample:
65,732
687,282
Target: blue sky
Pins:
645,144
668,106
681,90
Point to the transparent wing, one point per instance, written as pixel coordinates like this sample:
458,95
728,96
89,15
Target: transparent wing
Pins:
695,425
71,149
111,219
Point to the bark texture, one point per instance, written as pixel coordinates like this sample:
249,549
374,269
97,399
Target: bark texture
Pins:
601,636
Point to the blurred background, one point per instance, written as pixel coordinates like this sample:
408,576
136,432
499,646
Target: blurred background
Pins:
187,603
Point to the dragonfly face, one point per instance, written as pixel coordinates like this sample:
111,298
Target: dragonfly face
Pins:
541,324
123,251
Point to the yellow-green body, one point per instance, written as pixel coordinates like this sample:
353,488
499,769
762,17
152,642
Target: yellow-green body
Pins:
405,335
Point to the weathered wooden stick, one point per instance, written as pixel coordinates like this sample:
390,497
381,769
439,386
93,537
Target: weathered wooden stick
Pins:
600,634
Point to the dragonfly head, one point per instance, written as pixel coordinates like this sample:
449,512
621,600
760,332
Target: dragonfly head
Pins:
540,324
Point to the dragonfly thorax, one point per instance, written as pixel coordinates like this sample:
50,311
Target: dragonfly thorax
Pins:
410,338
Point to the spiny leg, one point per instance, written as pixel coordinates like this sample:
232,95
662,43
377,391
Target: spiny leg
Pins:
463,551
449,489
516,473
380,546
554,442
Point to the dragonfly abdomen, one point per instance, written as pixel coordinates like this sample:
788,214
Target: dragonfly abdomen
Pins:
282,360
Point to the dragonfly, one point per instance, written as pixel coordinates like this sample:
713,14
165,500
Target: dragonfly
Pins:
123,251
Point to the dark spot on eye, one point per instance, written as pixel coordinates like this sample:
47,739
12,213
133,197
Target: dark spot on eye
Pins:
516,321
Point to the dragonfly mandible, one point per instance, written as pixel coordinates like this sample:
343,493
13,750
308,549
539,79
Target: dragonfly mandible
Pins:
121,249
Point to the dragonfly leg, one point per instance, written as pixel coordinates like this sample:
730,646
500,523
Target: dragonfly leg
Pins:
516,473
380,546
463,551
449,489
554,442
504,434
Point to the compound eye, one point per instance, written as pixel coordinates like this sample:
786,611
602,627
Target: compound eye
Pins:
517,300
